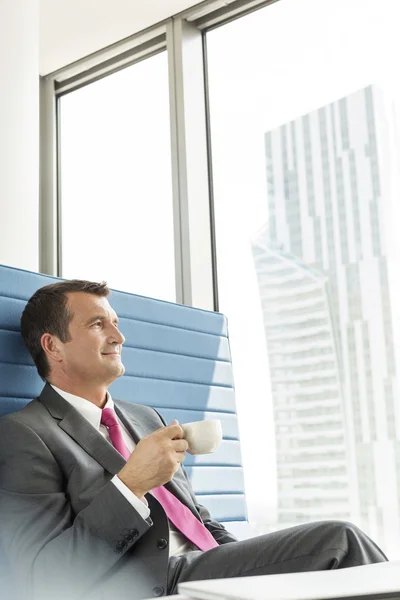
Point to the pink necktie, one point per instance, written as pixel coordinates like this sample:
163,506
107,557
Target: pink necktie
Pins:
176,511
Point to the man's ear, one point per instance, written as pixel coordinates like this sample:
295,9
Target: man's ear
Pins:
52,346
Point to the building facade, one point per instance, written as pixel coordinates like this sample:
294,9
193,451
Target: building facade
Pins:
328,197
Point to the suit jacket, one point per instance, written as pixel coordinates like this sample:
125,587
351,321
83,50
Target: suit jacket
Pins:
65,528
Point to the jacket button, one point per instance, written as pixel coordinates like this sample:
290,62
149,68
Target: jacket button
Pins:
158,591
120,547
131,535
162,544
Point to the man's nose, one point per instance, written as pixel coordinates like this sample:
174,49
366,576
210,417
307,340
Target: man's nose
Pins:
117,336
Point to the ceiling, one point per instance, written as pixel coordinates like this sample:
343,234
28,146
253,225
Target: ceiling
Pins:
72,29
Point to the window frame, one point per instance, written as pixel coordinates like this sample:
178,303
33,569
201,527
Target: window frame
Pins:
183,38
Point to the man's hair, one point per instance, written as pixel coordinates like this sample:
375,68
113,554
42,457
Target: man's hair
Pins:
47,312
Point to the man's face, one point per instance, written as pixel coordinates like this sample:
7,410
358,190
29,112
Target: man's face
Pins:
93,354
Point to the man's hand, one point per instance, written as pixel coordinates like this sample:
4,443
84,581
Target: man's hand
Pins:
155,459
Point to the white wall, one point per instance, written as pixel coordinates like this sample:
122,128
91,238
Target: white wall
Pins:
19,133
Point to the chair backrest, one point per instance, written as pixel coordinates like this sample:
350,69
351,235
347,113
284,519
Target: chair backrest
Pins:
177,360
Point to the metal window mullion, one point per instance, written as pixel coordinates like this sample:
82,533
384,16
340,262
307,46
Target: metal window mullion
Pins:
194,272
58,198
217,12
111,65
210,177
48,206
140,43
177,168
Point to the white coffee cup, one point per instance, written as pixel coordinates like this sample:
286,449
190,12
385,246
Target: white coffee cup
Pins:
203,437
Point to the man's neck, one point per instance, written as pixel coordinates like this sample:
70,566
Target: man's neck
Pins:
95,394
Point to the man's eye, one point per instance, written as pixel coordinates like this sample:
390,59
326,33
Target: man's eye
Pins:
96,324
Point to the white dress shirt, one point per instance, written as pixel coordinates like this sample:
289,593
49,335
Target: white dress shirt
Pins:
179,544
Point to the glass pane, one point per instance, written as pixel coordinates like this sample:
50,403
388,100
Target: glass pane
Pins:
117,221
306,175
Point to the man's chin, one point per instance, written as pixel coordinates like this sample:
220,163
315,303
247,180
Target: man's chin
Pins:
116,371
121,371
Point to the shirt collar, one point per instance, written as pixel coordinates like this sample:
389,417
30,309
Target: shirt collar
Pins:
90,411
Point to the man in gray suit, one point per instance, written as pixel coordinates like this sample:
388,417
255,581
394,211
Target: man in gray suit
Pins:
79,520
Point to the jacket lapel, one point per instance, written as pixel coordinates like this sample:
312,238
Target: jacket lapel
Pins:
78,428
136,430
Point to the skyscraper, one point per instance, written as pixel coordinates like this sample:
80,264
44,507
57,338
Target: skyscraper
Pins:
327,200
312,454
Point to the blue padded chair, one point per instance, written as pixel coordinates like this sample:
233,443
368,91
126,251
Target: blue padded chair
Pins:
177,360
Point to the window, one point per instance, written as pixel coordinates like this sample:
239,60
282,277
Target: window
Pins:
116,190
304,113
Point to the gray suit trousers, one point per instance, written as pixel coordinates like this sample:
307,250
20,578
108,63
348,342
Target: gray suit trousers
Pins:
313,547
